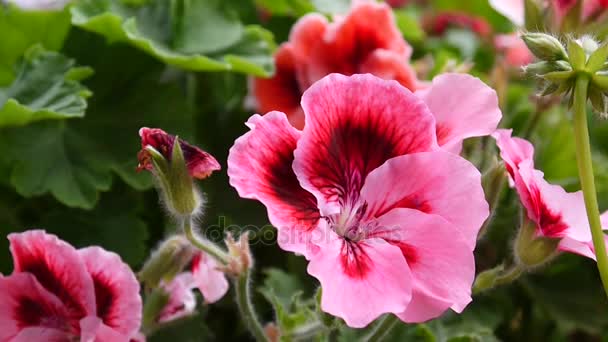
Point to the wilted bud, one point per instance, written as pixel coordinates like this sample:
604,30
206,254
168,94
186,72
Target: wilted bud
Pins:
544,46
532,250
175,163
240,259
167,261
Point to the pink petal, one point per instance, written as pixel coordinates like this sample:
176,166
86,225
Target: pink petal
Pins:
182,301
94,330
306,38
512,9
514,49
577,247
390,65
360,280
282,91
210,281
513,150
463,107
119,304
42,334
439,183
353,125
259,167
58,268
29,309
439,257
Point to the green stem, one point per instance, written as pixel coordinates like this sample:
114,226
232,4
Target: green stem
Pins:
243,298
204,244
382,328
308,331
585,171
496,277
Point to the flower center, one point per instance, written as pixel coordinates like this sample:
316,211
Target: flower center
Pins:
347,223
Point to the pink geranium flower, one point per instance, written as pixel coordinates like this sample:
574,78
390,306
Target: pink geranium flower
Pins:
205,276
557,213
440,23
385,216
200,163
58,293
366,40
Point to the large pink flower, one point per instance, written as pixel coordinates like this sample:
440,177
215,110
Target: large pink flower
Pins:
58,293
386,217
557,213
366,40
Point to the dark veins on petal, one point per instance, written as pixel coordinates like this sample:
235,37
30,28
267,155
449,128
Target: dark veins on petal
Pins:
550,222
355,262
105,298
30,312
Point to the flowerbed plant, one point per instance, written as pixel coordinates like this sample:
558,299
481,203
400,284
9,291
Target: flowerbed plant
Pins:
303,170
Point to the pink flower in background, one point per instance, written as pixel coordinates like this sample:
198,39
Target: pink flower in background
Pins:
366,40
364,192
200,163
557,213
58,293
39,5
514,50
205,276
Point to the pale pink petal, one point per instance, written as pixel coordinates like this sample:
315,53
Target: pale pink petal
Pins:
119,304
353,125
463,107
210,281
577,247
360,280
260,167
515,51
182,301
513,150
512,9
438,182
94,330
42,334
26,304
440,259
604,220
58,268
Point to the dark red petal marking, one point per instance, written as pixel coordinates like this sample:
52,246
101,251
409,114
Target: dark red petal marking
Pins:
355,262
409,252
355,124
410,201
443,132
259,166
57,267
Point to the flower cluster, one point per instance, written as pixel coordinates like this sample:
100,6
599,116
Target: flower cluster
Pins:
369,193
59,293
366,40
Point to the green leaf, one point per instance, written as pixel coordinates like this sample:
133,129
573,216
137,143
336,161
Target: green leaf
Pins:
331,6
409,26
113,225
195,35
598,58
21,29
75,159
46,87
576,55
286,7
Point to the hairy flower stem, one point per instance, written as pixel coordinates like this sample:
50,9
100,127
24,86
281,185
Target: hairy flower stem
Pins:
382,328
585,171
246,308
202,243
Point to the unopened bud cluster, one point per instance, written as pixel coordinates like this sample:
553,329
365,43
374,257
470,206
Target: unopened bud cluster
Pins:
558,67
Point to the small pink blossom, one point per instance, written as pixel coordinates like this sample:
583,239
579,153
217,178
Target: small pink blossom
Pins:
200,163
366,40
514,50
558,214
58,293
440,23
384,215
205,276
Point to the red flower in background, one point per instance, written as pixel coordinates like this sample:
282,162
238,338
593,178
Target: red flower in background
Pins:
59,293
440,23
200,163
366,40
